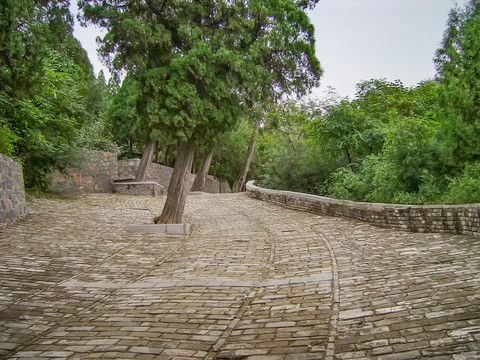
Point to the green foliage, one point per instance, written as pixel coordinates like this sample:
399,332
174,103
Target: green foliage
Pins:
29,30
403,166
392,144
458,66
229,152
407,146
48,93
7,137
344,134
465,188
420,145
45,124
383,146
284,153
347,184
122,118
96,132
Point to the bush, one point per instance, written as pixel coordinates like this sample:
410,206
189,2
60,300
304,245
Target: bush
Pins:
345,184
465,188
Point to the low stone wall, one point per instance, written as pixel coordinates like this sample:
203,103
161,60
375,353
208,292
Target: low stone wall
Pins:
93,173
12,192
459,219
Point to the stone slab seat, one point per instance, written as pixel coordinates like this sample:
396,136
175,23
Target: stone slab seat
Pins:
123,179
145,188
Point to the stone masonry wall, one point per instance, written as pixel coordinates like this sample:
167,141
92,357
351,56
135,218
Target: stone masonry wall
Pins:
97,169
459,219
92,174
156,172
161,174
12,192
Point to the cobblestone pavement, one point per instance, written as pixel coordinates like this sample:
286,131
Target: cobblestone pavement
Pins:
253,281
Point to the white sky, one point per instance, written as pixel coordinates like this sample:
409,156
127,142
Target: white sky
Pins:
360,40
374,39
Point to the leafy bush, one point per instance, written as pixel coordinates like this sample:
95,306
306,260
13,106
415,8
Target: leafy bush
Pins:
346,184
465,188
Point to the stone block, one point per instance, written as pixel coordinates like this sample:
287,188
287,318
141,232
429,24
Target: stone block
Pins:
174,229
178,229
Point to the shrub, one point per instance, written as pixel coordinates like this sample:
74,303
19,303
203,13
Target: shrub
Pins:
465,188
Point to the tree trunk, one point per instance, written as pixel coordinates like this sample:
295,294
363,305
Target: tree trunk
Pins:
166,155
130,142
145,161
239,184
201,176
179,185
194,168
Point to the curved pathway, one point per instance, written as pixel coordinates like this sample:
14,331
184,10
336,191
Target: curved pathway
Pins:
253,281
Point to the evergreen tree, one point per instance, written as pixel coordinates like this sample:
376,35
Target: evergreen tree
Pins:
458,66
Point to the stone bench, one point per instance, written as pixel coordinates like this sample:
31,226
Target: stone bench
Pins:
124,179
144,188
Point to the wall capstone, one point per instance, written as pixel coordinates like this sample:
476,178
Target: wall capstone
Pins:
457,219
12,192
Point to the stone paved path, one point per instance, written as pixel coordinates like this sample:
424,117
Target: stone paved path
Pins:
253,281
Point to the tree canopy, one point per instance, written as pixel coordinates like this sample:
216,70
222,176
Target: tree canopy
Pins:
197,63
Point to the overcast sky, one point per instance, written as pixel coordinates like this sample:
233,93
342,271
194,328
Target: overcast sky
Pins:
361,40
374,39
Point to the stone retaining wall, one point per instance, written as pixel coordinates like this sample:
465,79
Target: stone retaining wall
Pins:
156,172
12,192
97,169
459,219
161,174
92,174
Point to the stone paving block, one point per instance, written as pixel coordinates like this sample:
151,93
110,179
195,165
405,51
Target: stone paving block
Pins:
56,354
145,350
354,314
382,350
471,355
401,356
